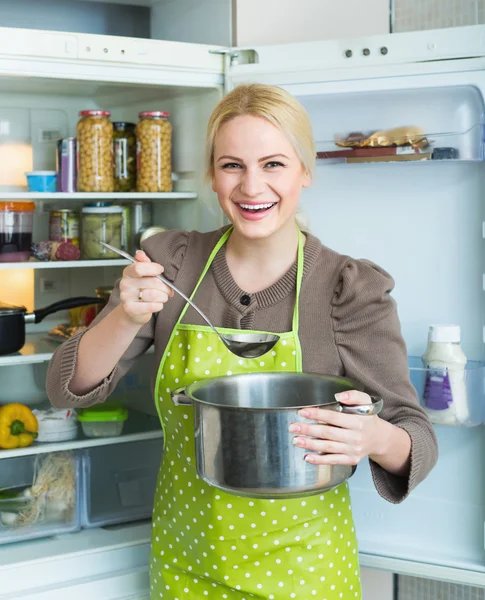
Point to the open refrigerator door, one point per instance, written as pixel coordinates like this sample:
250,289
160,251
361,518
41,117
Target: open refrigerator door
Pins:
399,125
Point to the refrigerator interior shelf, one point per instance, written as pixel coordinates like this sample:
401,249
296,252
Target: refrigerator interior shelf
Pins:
406,145
98,196
451,398
139,426
38,348
64,264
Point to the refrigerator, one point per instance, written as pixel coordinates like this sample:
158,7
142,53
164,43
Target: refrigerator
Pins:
423,221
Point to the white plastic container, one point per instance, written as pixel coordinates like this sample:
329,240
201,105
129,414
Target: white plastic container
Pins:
445,393
56,425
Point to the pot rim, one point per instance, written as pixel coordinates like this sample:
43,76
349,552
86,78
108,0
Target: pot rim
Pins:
191,389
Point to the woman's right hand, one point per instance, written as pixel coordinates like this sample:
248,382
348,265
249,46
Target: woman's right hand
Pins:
141,293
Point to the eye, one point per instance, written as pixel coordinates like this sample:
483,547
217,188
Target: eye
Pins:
273,164
231,165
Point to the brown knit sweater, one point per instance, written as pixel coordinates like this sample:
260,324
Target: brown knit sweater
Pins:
348,326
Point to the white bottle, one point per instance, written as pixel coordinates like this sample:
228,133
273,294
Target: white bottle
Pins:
445,396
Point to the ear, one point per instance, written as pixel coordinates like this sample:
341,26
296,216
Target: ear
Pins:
307,179
213,180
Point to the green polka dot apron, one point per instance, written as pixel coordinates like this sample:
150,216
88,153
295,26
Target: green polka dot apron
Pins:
207,543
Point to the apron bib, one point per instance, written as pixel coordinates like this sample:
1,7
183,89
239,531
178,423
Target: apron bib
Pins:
207,543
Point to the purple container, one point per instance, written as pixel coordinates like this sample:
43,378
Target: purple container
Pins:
66,165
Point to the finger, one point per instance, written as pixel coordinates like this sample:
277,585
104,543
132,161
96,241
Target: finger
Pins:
323,432
332,417
141,256
142,308
353,397
324,446
331,459
132,285
150,295
142,269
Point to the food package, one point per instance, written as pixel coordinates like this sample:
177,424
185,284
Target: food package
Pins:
399,136
48,250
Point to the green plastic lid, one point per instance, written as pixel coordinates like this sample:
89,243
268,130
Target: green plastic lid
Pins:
102,412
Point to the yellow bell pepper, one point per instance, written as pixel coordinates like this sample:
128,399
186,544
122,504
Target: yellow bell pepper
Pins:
18,426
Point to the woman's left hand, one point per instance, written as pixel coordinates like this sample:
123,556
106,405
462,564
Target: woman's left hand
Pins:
342,439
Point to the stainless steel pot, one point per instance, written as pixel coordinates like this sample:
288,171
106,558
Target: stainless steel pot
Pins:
242,442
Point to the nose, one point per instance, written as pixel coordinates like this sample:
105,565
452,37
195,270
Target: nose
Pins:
252,184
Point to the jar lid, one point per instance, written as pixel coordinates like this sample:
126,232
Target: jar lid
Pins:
122,125
17,206
444,334
94,113
99,210
10,309
154,113
98,204
103,412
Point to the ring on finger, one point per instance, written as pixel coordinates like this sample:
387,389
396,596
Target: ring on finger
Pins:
140,295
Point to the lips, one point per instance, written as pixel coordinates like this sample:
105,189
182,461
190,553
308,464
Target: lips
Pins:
255,212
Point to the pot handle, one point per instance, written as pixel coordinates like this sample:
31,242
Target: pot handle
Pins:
362,409
180,398
38,315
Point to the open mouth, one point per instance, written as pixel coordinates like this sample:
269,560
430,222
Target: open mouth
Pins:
256,208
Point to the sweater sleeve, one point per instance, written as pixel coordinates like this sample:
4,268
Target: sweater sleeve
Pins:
368,337
169,250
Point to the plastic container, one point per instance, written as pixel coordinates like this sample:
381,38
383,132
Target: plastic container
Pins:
95,152
124,149
445,394
56,425
41,181
154,152
119,482
101,224
103,420
16,223
474,377
28,511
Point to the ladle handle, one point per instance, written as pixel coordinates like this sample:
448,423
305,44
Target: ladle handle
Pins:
166,282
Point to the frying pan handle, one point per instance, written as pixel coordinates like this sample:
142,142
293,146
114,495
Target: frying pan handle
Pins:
362,409
38,315
180,398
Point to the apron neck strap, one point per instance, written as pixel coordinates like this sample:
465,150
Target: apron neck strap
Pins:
299,275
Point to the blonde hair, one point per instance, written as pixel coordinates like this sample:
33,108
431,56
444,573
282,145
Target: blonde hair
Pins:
273,104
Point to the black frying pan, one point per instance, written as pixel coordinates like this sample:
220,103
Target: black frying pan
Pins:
14,318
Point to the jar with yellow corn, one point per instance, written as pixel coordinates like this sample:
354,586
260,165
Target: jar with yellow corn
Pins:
95,152
154,152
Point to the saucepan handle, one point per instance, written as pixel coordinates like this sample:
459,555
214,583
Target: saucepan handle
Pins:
362,409
180,398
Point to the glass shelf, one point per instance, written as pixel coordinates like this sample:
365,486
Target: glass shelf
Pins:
403,145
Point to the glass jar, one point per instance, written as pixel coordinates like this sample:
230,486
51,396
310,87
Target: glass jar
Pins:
100,224
95,152
124,149
154,152
16,222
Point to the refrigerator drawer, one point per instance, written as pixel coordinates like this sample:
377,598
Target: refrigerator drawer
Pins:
39,496
119,482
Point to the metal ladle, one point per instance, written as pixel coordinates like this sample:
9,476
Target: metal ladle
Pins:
245,345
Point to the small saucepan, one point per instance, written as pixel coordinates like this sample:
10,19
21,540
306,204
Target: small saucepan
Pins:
14,318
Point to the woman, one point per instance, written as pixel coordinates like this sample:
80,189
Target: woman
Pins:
335,316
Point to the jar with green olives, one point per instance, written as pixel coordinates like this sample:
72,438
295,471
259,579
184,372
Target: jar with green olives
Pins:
95,151
124,148
154,152
100,224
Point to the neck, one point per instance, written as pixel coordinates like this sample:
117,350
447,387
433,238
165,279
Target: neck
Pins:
256,264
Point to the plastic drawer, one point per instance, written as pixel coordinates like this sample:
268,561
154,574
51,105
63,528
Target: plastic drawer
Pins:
50,508
119,482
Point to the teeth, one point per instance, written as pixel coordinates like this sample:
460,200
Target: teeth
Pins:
256,206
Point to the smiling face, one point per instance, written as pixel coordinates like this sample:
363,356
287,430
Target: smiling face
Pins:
258,176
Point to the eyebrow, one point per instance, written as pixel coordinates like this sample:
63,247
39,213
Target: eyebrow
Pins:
260,160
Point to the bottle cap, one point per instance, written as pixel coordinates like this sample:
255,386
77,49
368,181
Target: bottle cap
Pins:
444,333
